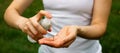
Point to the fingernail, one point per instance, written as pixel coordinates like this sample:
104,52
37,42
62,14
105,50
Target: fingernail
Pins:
44,33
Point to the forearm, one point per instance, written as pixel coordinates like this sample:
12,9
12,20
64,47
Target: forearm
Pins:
91,32
13,13
12,17
97,27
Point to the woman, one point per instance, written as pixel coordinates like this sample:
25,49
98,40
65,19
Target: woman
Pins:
77,25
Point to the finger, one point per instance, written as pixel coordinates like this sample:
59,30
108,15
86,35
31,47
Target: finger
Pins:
26,30
39,36
35,35
38,27
31,28
61,36
45,13
63,32
68,41
70,35
41,41
51,42
69,38
46,41
66,37
42,13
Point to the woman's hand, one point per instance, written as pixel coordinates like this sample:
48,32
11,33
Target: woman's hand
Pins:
32,27
63,39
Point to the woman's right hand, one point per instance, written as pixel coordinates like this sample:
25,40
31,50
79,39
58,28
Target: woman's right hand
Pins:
32,27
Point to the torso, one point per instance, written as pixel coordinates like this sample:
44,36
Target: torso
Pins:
71,12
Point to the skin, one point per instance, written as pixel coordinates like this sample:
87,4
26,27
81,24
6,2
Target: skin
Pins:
67,34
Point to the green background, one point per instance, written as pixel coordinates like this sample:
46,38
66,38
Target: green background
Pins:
14,41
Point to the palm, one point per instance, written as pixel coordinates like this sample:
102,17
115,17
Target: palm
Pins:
63,39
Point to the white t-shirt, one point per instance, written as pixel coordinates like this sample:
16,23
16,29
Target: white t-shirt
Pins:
71,12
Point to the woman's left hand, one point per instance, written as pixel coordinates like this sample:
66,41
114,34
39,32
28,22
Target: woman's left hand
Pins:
63,39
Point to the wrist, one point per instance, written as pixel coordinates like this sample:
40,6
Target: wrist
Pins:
77,28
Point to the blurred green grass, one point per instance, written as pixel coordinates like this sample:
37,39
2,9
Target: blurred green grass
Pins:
111,40
14,41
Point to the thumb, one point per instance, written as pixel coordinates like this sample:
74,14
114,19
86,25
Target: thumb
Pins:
42,13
